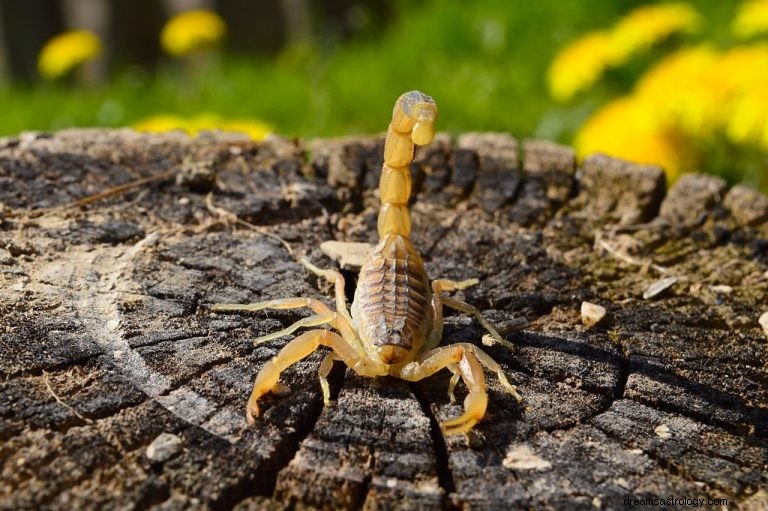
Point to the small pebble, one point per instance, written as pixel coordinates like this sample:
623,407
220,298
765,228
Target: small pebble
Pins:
164,447
764,322
591,314
659,287
521,457
623,483
663,432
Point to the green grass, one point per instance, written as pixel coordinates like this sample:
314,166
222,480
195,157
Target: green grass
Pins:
484,62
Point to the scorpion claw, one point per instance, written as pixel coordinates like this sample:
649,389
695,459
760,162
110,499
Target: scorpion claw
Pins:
474,409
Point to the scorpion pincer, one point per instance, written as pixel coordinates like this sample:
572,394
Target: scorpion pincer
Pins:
396,321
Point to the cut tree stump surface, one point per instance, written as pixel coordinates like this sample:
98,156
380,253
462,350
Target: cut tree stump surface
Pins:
107,339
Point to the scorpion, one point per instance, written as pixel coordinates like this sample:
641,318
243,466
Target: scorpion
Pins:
396,321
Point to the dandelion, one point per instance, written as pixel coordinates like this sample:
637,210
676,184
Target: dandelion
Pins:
162,123
255,129
192,31
747,123
682,90
64,52
751,19
627,128
584,61
579,65
695,88
649,25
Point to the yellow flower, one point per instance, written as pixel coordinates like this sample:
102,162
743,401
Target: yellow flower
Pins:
751,19
748,122
682,90
695,89
648,25
627,128
161,123
192,31
585,60
579,65
256,130
64,52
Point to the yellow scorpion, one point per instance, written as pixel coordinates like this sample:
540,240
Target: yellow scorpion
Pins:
396,320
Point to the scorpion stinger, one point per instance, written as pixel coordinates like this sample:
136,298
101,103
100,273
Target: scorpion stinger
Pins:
396,320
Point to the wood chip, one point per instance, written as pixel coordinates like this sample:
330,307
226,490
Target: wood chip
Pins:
350,255
164,447
591,314
659,287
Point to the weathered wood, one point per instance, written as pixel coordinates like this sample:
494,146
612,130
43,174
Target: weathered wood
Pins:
107,342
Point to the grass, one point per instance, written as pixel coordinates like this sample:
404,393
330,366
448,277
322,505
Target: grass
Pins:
483,61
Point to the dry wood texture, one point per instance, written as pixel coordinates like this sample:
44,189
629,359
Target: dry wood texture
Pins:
106,340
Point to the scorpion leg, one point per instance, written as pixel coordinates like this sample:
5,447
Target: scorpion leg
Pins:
325,368
471,309
454,380
463,357
299,348
319,307
335,278
451,285
468,360
282,303
494,366
440,285
316,320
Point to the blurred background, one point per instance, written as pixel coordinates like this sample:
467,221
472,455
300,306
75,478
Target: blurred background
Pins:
681,84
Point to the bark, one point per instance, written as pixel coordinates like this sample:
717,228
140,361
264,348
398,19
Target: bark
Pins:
107,340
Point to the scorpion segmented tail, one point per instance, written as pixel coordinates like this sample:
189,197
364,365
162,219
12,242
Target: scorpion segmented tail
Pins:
412,123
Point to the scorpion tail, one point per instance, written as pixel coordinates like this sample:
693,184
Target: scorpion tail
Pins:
413,121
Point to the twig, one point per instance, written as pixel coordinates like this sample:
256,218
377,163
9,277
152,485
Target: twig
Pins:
61,402
624,257
231,217
110,192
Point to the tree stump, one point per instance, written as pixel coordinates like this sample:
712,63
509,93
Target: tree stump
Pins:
121,390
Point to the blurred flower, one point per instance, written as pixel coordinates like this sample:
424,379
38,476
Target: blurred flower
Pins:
682,91
579,65
256,130
64,52
751,19
584,61
628,128
695,89
748,123
690,103
161,123
648,25
192,31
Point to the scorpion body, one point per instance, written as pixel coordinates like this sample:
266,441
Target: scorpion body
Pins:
396,321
